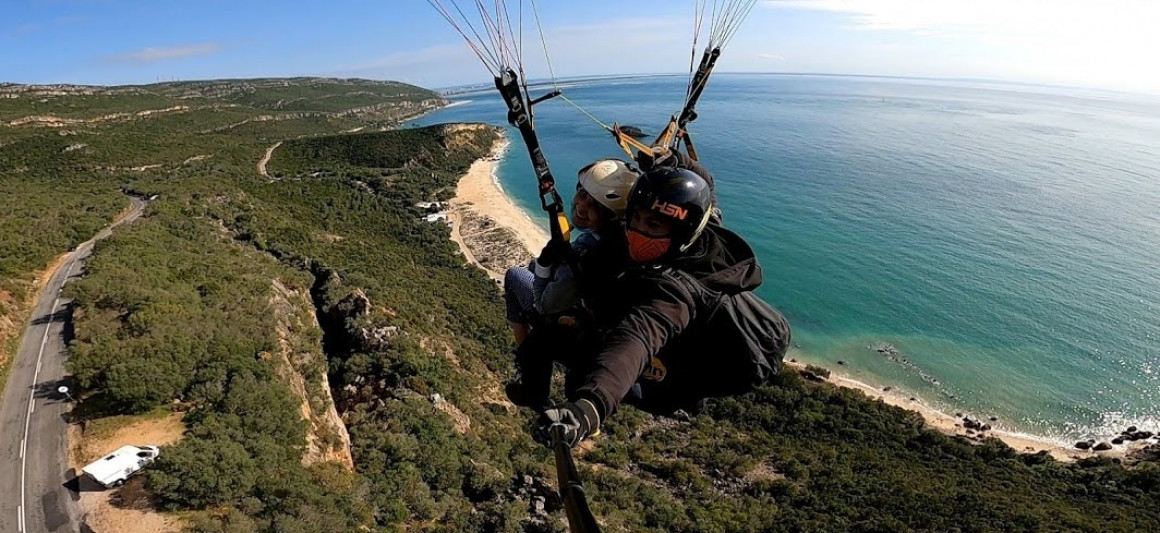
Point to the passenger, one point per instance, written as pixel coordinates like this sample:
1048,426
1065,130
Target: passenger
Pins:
682,323
546,294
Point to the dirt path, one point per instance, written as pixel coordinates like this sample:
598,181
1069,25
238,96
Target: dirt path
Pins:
266,159
455,217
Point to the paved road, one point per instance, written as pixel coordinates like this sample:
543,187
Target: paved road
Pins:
33,438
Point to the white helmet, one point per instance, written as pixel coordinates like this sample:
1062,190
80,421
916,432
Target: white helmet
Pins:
609,181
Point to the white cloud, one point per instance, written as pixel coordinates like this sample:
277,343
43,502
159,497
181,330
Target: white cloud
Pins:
26,29
612,45
771,57
434,55
1039,17
152,55
1104,42
434,66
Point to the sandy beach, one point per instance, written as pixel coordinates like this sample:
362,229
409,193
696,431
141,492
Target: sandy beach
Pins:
487,224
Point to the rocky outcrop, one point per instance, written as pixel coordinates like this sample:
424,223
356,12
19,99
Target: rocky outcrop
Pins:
301,363
57,122
1149,453
493,246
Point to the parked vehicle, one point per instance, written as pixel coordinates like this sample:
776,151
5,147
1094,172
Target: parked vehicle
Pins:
112,470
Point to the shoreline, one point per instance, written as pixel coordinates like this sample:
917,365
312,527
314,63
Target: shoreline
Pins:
951,425
480,193
486,223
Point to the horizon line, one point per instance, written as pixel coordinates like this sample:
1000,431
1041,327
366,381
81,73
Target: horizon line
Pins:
583,77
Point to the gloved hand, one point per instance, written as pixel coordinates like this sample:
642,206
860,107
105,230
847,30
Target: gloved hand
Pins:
658,157
554,253
578,418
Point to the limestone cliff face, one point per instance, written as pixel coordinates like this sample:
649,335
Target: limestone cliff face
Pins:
459,136
301,363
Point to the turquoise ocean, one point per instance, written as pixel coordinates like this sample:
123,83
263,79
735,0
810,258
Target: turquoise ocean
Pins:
1005,239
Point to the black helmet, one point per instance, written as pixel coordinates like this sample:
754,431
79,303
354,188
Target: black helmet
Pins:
678,194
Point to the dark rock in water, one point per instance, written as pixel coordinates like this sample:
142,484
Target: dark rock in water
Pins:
887,389
994,419
1102,447
841,362
985,427
1118,440
958,415
633,131
1083,445
793,360
1131,429
1141,435
887,349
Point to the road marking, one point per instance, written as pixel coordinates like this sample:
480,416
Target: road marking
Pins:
32,401
20,517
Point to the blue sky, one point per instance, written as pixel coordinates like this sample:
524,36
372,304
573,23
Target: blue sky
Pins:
1097,43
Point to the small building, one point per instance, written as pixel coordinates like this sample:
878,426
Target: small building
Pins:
437,217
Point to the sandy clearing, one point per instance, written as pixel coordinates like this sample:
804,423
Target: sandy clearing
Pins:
100,513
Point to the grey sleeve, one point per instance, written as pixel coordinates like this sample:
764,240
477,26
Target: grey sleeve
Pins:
556,289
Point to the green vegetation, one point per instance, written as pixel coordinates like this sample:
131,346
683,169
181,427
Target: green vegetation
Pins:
179,307
321,95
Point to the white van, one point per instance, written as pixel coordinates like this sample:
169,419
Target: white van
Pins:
112,470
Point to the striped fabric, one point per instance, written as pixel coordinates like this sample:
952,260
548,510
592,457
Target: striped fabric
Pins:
517,293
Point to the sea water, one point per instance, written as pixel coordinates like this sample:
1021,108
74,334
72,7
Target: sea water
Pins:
988,248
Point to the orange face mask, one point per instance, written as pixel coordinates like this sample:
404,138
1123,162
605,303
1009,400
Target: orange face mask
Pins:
645,249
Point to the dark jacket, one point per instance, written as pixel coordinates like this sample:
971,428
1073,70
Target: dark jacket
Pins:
647,310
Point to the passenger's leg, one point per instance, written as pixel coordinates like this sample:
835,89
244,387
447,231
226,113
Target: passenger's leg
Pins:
519,301
535,360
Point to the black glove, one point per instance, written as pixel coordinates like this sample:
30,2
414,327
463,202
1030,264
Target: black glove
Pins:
658,157
578,418
554,253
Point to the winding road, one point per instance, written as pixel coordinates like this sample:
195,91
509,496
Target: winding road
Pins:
34,462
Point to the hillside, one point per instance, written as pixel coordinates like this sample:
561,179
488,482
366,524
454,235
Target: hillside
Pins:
66,150
238,293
